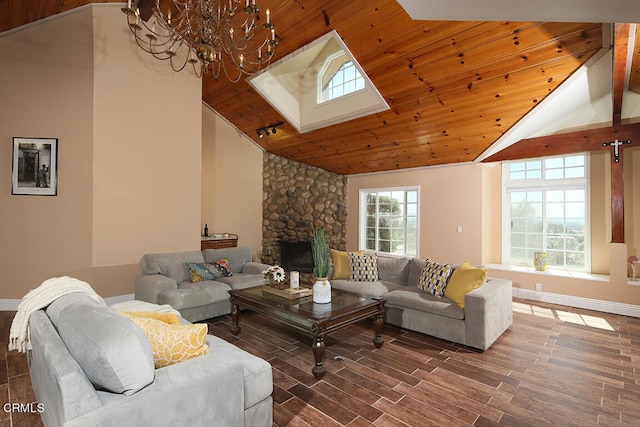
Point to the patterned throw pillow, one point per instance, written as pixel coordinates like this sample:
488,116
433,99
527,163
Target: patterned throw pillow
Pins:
208,271
171,343
434,277
364,268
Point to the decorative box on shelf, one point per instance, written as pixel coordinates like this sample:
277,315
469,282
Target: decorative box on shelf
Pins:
288,293
219,241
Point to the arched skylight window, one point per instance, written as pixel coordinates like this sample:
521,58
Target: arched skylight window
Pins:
338,77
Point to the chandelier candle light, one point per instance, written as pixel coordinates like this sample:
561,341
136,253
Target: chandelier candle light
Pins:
211,35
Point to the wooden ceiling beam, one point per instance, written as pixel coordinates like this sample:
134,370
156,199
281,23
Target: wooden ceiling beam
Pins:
566,143
620,47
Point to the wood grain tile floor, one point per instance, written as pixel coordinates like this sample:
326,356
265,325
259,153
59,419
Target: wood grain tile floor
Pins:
556,366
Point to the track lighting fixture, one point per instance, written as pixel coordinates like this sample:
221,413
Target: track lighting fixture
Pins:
268,130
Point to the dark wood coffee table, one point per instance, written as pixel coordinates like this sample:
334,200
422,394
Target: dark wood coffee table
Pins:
316,320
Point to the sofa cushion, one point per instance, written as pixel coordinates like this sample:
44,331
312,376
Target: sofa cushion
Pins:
244,280
434,277
195,294
112,351
341,268
375,289
394,269
170,264
364,268
464,279
237,257
208,271
415,270
171,342
412,298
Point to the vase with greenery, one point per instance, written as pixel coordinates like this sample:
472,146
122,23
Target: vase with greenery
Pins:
320,249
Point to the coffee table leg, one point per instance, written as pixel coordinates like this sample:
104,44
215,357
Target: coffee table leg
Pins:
378,326
318,352
235,319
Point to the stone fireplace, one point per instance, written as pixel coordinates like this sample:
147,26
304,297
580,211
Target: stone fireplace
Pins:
296,199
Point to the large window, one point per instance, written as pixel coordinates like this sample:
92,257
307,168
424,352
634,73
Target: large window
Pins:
338,77
546,208
389,220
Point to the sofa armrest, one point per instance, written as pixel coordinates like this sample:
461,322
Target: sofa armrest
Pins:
254,267
488,312
149,287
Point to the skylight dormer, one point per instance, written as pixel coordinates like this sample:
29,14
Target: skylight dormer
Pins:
319,85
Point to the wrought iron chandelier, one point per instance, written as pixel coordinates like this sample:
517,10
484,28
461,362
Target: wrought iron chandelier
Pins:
211,35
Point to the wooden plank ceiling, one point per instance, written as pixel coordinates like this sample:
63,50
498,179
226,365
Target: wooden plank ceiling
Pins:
453,87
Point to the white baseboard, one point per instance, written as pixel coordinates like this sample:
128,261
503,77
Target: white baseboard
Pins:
579,302
12,304
9,304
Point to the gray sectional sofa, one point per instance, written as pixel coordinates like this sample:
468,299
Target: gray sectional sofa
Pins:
91,366
164,279
487,313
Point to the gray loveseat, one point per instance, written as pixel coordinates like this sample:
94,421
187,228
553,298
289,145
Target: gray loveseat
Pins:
487,313
164,279
78,343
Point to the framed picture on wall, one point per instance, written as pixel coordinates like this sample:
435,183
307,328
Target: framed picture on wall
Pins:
35,166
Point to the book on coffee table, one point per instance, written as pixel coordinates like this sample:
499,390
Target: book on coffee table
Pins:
289,293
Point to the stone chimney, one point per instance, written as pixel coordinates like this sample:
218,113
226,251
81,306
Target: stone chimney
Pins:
296,199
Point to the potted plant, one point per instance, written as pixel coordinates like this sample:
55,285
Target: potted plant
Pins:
320,249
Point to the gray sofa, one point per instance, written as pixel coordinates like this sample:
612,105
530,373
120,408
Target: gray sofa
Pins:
164,279
488,310
91,366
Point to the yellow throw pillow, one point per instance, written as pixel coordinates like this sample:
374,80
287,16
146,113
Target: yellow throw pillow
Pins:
341,267
172,343
464,279
170,318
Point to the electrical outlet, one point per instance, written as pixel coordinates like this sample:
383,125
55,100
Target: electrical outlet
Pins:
539,287
459,229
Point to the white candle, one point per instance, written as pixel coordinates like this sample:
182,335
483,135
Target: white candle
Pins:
268,19
294,279
129,4
273,34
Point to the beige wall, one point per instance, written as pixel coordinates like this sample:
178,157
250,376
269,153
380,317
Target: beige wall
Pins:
231,181
470,195
449,196
129,170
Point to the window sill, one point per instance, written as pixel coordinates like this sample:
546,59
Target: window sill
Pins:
555,273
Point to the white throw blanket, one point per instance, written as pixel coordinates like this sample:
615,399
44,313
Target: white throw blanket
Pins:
40,297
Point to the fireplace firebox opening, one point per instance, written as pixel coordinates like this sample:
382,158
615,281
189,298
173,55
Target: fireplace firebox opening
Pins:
296,256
